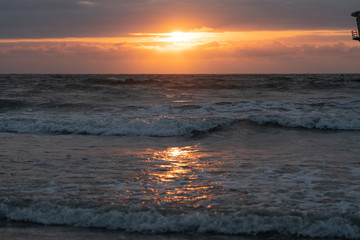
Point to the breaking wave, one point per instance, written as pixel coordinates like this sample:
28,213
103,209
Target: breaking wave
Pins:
324,123
153,221
157,127
181,120
165,126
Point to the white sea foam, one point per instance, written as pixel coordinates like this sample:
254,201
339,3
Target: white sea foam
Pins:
177,120
321,122
152,221
161,126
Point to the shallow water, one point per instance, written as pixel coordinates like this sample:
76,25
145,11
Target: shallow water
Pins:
290,181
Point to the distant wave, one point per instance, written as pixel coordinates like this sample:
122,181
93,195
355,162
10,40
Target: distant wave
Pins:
121,80
9,104
152,221
218,82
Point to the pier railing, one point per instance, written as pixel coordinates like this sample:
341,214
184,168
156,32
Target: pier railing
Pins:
355,33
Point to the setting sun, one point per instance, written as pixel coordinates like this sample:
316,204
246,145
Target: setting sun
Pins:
180,37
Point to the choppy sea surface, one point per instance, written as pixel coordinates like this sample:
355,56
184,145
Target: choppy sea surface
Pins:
180,156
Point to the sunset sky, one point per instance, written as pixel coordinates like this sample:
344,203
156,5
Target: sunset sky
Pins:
187,36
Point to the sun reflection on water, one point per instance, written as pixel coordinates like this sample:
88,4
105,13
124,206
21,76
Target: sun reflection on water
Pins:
175,176
177,163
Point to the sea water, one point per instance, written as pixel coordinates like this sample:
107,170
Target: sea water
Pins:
180,156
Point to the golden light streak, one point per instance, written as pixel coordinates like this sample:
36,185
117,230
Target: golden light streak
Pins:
188,37
181,36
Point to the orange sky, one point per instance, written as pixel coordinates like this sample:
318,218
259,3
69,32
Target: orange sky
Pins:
187,46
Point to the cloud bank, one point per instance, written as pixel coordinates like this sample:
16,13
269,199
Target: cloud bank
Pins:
279,55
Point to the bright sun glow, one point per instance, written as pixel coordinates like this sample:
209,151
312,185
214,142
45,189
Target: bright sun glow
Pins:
180,37
176,40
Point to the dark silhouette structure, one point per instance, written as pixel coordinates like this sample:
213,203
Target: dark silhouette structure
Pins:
355,32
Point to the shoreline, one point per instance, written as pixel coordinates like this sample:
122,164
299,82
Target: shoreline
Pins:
11,230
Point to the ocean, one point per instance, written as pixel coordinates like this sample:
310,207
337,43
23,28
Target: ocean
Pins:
180,156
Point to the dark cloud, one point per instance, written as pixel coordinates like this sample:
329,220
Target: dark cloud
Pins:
76,18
